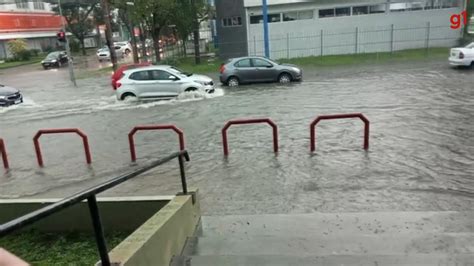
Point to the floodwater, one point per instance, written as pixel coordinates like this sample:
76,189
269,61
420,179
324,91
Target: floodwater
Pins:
421,154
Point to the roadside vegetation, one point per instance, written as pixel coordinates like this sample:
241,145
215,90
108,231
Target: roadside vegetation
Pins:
44,249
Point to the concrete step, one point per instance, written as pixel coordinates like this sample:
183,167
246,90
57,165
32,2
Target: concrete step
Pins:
343,244
359,260
324,224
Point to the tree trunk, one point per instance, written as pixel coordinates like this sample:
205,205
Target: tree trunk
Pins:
99,37
143,41
108,33
184,47
134,43
83,47
155,34
196,37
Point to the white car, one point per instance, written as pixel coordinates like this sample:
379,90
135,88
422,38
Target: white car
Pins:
103,54
157,82
462,56
204,80
124,47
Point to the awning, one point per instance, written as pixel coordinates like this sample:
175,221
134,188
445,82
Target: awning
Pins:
28,35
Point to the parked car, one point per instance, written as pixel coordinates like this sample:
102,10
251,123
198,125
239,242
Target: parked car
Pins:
125,47
9,96
463,56
55,59
119,73
103,54
155,82
257,69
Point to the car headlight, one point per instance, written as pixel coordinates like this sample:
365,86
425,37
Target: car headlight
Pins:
42,61
296,69
2,97
53,61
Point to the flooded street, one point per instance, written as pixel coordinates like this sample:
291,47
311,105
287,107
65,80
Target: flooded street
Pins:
421,155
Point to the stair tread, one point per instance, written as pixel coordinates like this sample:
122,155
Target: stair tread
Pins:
279,260
318,224
342,244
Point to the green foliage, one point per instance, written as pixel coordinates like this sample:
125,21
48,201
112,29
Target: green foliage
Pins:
24,55
57,249
74,46
48,49
17,48
35,52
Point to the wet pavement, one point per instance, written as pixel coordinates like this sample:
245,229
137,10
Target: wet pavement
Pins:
421,155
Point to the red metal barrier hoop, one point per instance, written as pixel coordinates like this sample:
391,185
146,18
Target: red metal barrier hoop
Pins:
249,121
3,152
85,141
339,116
131,141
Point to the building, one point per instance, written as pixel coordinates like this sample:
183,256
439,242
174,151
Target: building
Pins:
322,27
32,20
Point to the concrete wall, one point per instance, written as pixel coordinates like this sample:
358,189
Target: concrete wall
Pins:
303,37
232,40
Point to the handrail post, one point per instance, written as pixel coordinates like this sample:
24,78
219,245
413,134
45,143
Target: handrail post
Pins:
3,152
98,230
183,175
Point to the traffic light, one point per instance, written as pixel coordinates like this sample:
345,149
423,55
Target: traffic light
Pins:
61,36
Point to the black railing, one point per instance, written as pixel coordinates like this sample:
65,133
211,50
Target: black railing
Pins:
90,196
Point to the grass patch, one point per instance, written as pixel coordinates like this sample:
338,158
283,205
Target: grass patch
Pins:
57,249
33,60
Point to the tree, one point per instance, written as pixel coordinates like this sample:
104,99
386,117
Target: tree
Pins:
78,17
126,17
18,49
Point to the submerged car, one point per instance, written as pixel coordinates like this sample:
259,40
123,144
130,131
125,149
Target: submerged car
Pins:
9,96
257,69
55,59
103,54
463,56
204,80
118,74
156,82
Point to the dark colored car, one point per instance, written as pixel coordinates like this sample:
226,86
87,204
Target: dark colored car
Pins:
119,73
9,96
257,69
55,59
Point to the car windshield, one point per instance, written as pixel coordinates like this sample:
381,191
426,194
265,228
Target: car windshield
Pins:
177,72
187,74
470,46
52,56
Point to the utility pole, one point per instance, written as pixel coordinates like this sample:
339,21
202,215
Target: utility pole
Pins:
265,28
70,64
108,33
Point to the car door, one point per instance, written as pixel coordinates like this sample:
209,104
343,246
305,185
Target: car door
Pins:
243,70
142,84
263,70
165,84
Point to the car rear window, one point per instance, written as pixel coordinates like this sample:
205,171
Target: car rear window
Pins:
140,75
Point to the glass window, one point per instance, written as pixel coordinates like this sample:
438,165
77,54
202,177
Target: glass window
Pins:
38,4
260,63
326,13
232,22
343,11
243,63
305,14
290,16
141,75
274,18
256,19
374,9
236,21
21,3
160,75
360,10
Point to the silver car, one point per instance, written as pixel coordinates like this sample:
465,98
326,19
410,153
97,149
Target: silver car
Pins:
158,82
257,69
103,54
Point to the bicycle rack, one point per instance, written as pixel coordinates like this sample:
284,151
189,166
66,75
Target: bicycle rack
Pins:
3,151
85,140
249,121
339,116
131,141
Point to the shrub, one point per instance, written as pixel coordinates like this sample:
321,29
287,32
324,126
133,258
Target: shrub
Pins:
17,47
35,52
48,49
24,55
75,46
172,61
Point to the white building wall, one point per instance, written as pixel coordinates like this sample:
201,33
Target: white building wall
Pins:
374,31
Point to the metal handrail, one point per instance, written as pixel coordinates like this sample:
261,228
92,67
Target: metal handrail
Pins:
339,116
3,152
245,122
90,196
85,141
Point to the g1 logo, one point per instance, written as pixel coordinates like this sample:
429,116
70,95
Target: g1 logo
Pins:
457,19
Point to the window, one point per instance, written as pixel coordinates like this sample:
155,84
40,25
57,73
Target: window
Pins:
261,63
21,4
343,11
271,18
326,13
232,22
141,75
38,4
375,9
298,15
360,10
160,75
243,63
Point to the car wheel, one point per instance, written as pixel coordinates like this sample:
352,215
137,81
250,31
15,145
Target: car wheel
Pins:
190,89
45,67
472,64
284,78
233,82
127,52
128,95
59,64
